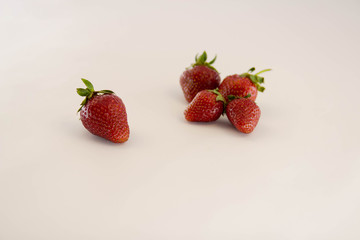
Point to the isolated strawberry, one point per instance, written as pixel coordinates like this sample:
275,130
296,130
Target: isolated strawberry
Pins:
103,114
243,84
243,113
200,76
207,106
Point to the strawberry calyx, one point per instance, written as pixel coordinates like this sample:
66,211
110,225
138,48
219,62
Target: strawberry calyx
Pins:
255,78
232,97
89,92
201,61
219,97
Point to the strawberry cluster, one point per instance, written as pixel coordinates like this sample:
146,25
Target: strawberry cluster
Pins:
209,98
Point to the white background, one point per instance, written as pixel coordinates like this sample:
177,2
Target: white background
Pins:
297,176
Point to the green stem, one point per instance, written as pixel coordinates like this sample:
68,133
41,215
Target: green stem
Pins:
265,70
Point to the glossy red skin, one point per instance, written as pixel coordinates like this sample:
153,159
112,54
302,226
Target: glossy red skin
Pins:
238,86
244,114
197,79
105,116
204,108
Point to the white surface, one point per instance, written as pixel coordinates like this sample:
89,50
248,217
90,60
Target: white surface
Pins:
295,177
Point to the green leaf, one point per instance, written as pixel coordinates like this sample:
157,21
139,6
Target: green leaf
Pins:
83,103
202,58
201,61
220,98
106,91
88,84
232,97
212,61
247,96
83,92
253,78
245,75
259,79
260,88
251,70
205,56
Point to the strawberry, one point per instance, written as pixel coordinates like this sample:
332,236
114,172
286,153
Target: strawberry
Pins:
243,84
103,114
207,106
200,76
243,113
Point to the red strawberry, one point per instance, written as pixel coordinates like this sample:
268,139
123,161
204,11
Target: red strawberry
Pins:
200,77
207,106
243,113
243,84
103,114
